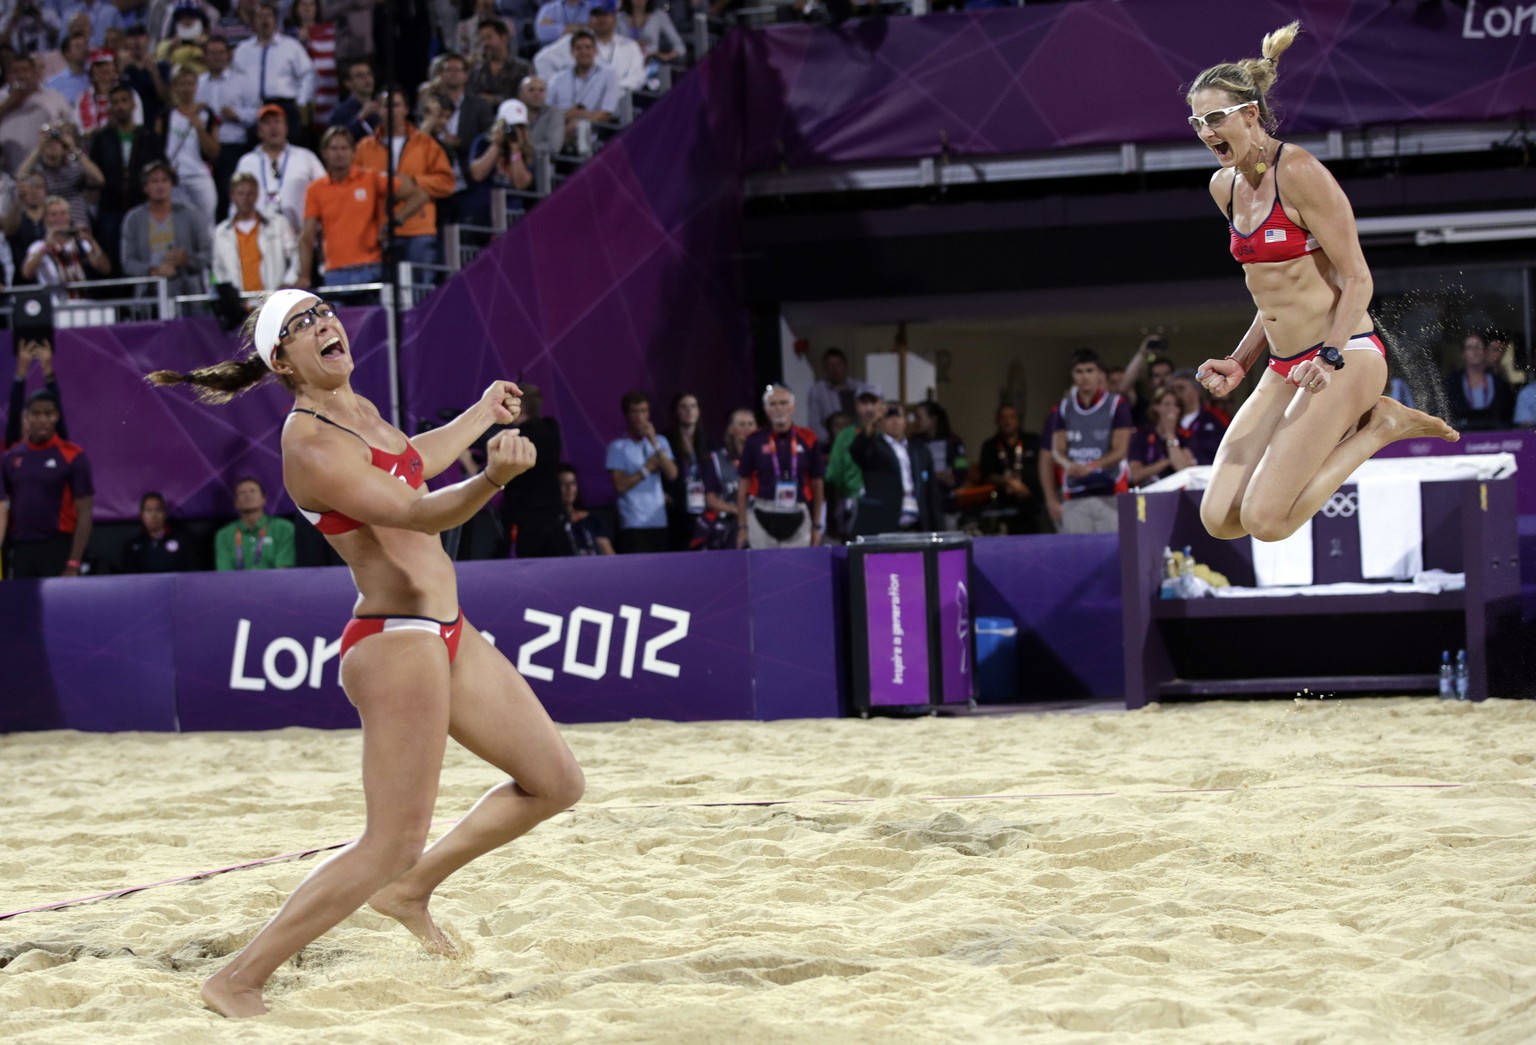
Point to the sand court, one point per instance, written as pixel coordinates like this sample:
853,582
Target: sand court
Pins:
1227,871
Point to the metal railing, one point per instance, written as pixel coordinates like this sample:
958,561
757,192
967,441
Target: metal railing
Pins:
93,303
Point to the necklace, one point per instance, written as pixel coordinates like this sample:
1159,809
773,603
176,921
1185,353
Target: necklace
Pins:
1261,166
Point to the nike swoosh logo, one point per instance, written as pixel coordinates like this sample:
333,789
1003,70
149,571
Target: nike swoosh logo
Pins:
448,635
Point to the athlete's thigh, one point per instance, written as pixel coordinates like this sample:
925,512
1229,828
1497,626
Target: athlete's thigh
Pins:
495,714
1312,428
398,682
1245,441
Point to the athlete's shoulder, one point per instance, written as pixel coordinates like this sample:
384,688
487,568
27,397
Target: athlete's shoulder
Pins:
1301,171
1221,185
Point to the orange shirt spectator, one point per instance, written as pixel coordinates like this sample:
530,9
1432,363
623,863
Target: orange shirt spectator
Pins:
420,157
346,209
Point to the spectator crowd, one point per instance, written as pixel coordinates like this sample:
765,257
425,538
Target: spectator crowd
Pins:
128,126
859,465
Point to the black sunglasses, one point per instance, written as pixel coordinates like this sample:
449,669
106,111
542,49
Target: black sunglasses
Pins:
306,319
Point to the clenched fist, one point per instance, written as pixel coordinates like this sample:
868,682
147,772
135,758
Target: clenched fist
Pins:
505,400
1220,376
508,456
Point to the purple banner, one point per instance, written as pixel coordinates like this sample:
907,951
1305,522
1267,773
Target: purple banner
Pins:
896,616
677,637
79,655
1012,81
797,603
956,645
1520,443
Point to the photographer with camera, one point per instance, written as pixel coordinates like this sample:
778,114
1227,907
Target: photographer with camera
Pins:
63,254
504,156
25,109
1151,358
456,116
66,169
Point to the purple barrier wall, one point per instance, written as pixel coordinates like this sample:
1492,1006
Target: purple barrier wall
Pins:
718,636
797,600
1064,594
86,654
1092,73
690,637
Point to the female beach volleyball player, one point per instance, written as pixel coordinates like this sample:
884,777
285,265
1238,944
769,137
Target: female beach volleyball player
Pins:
416,670
1318,411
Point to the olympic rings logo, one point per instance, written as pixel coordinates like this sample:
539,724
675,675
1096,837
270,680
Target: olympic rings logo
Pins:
1341,506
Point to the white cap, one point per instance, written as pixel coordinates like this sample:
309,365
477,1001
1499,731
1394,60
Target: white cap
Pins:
270,320
513,112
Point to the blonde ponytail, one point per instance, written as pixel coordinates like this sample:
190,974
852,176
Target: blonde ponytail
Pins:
1250,79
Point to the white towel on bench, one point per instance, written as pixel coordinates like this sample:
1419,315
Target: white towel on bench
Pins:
1391,522
1283,563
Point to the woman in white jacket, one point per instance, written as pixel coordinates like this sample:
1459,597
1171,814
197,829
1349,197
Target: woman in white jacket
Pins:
270,258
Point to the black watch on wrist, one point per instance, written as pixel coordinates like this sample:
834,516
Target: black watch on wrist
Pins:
1332,356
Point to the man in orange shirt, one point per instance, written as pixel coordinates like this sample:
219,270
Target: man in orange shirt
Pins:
346,209
422,159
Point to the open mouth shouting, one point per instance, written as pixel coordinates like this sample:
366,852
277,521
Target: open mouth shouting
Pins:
333,348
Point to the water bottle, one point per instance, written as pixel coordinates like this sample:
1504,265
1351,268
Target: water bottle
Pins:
1447,676
1187,574
1169,586
1461,674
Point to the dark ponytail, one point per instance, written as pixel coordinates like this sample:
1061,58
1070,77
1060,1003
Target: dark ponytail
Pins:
220,383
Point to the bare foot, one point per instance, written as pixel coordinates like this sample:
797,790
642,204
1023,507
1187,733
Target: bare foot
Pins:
227,998
1395,421
414,916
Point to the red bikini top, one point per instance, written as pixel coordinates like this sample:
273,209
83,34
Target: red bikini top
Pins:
1277,239
406,466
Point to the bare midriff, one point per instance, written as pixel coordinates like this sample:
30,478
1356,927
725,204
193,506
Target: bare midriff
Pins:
399,573
1296,300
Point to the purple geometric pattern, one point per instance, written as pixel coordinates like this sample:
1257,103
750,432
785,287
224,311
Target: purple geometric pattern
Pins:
1102,73
623,279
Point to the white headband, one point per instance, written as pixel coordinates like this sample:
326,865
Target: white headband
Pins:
270,320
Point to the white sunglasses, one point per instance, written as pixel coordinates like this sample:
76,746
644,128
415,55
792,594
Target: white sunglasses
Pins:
1215,117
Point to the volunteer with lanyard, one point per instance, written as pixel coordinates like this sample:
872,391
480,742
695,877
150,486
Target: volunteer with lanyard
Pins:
255,541
782,471
283,172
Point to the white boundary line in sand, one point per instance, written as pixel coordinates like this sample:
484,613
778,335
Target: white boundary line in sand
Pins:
742,803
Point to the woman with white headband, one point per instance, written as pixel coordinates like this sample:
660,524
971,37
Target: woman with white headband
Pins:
416,670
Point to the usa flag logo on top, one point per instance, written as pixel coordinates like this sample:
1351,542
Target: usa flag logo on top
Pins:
1274,235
